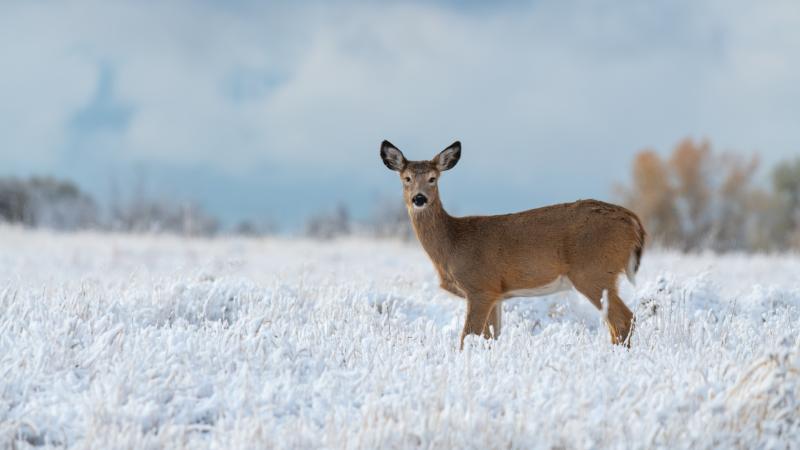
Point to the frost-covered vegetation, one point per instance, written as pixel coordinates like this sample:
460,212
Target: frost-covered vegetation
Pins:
114,341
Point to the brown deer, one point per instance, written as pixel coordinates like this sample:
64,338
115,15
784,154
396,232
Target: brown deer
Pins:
586,244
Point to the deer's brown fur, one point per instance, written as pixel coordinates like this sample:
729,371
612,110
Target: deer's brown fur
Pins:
586,244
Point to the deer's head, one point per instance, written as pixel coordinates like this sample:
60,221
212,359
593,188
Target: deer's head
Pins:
420,178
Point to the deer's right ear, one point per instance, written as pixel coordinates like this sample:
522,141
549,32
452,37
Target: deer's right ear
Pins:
392,157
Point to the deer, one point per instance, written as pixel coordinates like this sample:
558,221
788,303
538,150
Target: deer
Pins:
585,245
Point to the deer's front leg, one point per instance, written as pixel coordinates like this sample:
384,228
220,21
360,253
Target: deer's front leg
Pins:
478,309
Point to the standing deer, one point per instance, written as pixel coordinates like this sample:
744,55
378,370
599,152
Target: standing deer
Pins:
586,244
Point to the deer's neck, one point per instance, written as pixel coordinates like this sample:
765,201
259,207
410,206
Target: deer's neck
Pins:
433,227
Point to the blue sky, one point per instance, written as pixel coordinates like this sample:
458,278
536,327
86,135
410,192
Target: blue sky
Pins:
276,110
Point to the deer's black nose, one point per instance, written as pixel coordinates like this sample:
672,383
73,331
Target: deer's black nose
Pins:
419,200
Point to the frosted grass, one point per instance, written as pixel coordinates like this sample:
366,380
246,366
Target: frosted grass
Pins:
111,341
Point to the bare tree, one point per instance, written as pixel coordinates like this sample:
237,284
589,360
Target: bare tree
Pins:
690,170
697,199
734,217
786,183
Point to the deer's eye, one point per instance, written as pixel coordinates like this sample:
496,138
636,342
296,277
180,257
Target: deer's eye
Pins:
432,179
408,179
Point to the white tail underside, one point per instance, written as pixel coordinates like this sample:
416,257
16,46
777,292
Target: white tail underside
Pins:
630,270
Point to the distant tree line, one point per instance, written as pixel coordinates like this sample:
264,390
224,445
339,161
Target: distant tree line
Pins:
697,199
44,202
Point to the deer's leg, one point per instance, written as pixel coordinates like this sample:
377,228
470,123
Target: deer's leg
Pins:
494,322
620,318
478,309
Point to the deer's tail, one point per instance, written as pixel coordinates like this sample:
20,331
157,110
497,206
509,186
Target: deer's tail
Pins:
638,248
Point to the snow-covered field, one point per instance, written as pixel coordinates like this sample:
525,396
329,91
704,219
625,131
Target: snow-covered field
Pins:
110,341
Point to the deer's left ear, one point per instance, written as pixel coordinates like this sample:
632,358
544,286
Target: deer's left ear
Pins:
448,158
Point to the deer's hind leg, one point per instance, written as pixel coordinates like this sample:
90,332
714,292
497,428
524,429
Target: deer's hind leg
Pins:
620,318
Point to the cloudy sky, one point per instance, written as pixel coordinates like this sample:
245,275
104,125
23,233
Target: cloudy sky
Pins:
278,109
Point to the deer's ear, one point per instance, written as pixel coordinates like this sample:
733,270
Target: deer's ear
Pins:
448,158
392,157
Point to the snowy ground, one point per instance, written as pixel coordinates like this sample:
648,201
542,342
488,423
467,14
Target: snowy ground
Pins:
111,341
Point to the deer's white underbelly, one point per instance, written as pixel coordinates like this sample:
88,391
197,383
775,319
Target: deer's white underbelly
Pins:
560,284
